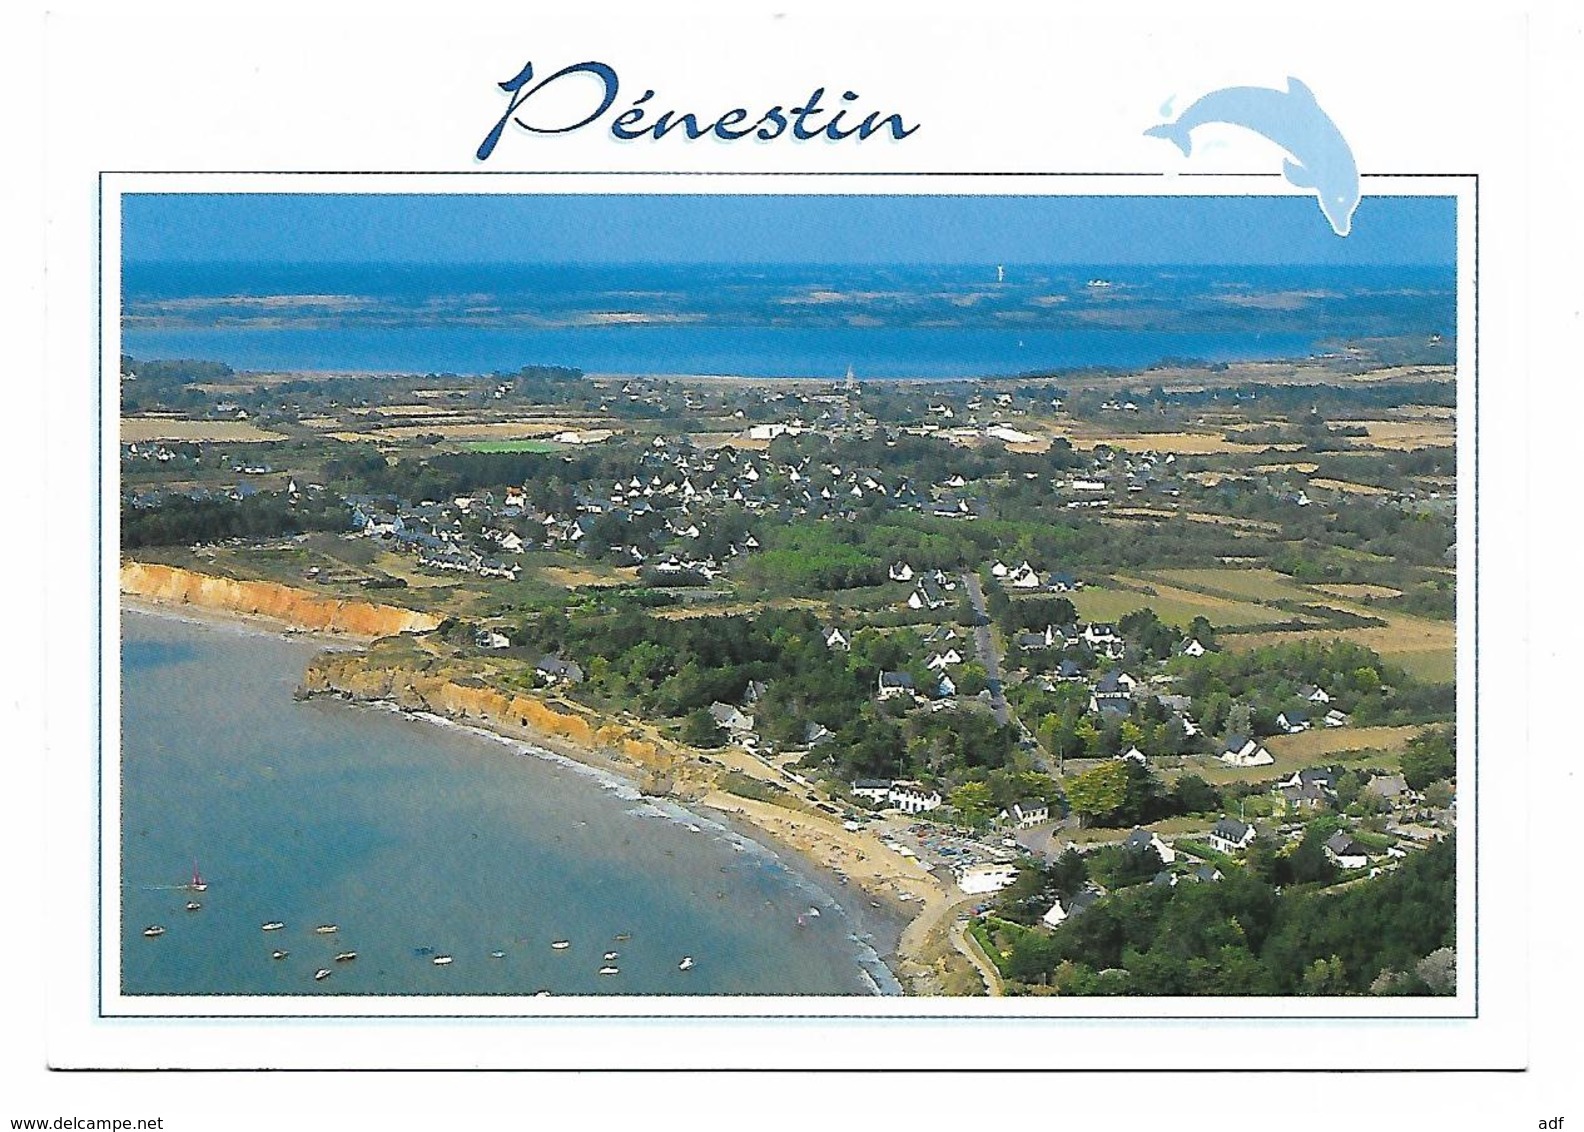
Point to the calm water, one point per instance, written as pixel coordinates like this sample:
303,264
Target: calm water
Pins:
410,836
770,320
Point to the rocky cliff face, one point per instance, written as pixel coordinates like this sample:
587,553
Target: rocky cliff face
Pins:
459,697
173,586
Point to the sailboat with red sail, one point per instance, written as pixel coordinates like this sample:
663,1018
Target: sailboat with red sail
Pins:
197,884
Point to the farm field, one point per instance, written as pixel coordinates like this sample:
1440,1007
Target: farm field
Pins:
1171,604
136,430
1257,584
497,447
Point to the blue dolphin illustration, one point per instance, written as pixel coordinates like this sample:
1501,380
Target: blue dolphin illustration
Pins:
1320,157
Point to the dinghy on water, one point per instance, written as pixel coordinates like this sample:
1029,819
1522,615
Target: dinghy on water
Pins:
686,964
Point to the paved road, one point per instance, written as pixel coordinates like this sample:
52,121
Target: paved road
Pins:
985,643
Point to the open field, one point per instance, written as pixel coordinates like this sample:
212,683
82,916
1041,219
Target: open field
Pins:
1424,647
1179,443
1175,606
496,447
1349,488
136,430
1404,435
1322,741
1355,590
589,574
1253,585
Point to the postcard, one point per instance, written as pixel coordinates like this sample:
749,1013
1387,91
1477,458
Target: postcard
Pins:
926,555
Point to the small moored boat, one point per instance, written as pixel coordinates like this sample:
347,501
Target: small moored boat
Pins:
193,905
609,970
279,954
561,945
321,973
686,964
441,960
153,930
497,955
327,929
346,957
272,926
610,955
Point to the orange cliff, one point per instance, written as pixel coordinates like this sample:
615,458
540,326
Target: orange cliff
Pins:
387,675
170,585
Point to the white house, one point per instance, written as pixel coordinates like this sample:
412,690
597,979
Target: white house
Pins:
491,639
913,798
1314,695
943,660
977,879
1293,722
1240,750
874,790
1229,835
901,572
1344,852
894,684
1133,754
1027,813
1141,839
836,639
1335,718
733,719
1193,648
1058,914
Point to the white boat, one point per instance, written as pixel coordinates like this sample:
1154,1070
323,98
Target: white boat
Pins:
813,912
561,944
272,926
610,955
197,884
542,994
441,960
610,970
279,954
193,905
153,930
321,973
497,955
686,964
346,957
327,929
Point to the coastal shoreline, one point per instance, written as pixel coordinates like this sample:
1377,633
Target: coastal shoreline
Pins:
795,840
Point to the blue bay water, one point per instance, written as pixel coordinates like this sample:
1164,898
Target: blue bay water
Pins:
410,836
765,320
706,351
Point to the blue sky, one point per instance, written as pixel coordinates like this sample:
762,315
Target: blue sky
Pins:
779,229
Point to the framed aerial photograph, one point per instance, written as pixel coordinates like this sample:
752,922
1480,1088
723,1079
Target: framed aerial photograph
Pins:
638,544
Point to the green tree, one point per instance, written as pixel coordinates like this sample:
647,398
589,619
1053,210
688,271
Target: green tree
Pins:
699,729
1097,794
973,803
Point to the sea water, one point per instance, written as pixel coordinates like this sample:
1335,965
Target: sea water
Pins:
764,320
416,841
